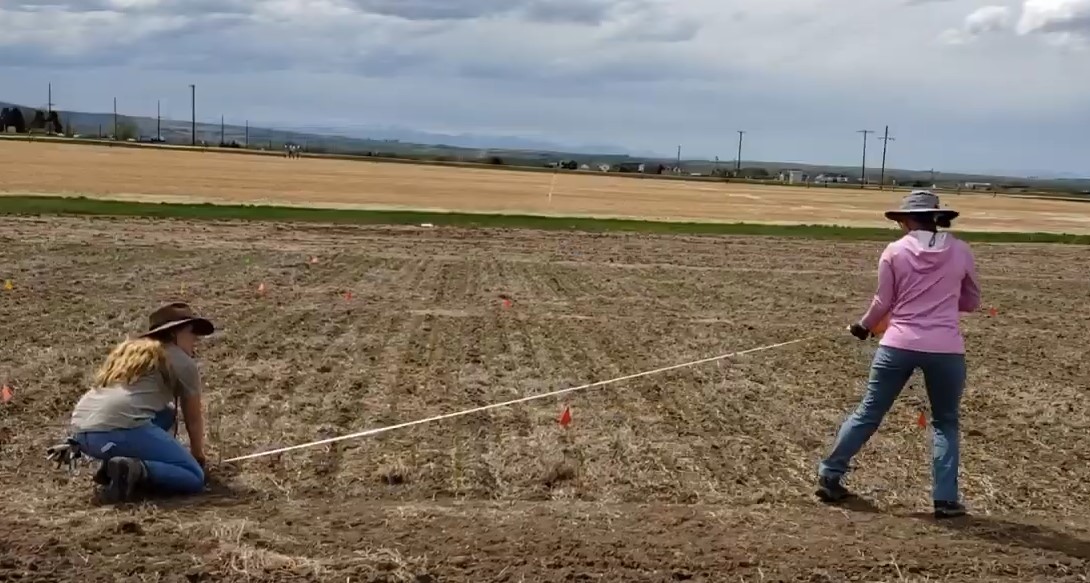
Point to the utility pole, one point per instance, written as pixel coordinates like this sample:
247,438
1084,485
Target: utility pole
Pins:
223,141
678,166
193,105
49,102
158,121
247,133
863,171
738,162
115,119
885,143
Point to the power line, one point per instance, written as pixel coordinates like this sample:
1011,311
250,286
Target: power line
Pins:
193,104
863,171
885,143
738,162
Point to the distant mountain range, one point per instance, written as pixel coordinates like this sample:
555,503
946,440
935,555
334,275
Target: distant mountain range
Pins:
471,141
513,150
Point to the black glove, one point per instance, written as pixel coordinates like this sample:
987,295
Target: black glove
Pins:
65,454
859,331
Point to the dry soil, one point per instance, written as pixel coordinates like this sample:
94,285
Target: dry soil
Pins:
701,474
187,176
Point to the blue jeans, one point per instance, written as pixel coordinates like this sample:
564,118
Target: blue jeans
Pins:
944,376
171,468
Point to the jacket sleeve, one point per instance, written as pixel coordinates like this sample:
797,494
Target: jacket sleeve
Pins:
969,300
882,302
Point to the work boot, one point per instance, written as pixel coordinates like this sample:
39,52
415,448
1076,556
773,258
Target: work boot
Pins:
125,474
831,490
944,509
101,477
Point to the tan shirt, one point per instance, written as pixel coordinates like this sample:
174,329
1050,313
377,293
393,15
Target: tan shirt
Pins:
125,407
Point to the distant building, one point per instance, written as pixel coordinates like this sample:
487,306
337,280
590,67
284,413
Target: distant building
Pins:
793,176
978,185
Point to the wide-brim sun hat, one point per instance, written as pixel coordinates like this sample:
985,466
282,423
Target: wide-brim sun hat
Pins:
175,315
921,202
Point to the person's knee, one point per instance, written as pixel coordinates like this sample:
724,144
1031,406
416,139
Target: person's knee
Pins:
193,483
868,414
946,422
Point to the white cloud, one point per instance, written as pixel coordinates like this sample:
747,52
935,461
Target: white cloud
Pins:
982,21
988,19
1063,23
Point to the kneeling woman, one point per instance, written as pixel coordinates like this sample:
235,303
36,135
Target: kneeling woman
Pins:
126,418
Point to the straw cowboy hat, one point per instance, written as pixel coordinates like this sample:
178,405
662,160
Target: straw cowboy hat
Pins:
174,315
921,202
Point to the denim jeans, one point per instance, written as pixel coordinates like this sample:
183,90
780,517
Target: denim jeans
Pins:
171,468
944,376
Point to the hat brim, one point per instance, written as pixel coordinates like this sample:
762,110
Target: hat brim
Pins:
899,213
201,327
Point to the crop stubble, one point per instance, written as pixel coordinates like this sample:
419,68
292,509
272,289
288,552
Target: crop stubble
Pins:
703,473
152,174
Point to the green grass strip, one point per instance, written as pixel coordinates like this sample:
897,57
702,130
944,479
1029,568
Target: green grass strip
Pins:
59,205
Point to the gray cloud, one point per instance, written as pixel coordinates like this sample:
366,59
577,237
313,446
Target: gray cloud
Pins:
637,72
566,11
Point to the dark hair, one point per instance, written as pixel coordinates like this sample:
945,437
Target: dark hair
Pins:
930,222
170,335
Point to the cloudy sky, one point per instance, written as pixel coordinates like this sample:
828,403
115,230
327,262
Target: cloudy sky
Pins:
963,84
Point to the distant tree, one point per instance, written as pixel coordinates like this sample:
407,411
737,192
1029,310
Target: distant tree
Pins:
755,173
127,130
495,160
13,118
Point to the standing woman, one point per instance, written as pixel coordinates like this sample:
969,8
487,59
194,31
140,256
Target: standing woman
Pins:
925,280
126,418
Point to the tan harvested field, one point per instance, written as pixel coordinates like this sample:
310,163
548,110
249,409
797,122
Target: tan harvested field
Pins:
155,174
702,474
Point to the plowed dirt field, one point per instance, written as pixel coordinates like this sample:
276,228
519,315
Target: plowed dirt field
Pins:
701,474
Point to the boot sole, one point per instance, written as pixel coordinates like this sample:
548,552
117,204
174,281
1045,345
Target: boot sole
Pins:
121,486
830,498
950,515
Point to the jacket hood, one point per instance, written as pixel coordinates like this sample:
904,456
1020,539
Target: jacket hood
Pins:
927,251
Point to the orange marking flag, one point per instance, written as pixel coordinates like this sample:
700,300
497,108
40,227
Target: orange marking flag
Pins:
6,394
921,421
565,417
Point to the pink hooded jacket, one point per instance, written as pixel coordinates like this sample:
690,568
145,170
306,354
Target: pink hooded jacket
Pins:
924,281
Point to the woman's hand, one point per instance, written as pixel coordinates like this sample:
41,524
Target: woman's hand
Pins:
859,331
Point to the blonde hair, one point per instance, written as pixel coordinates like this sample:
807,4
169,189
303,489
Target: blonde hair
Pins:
133,359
